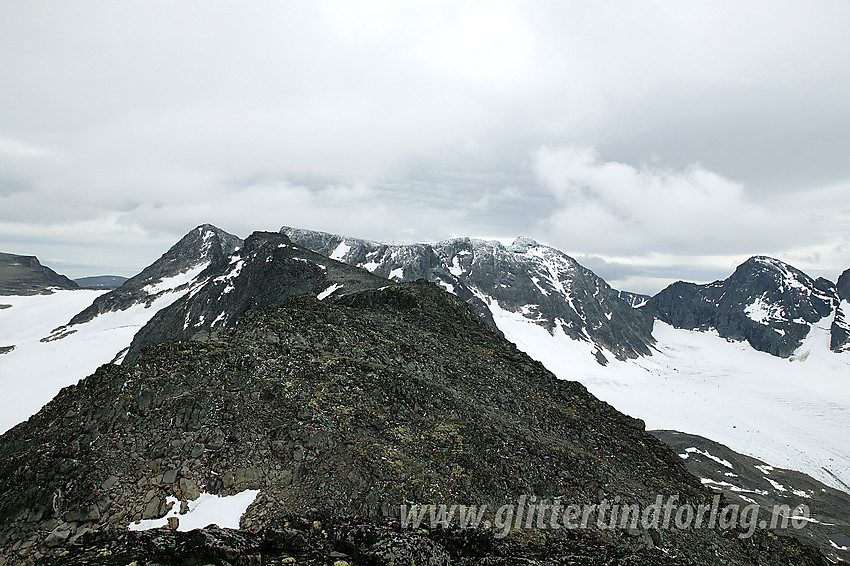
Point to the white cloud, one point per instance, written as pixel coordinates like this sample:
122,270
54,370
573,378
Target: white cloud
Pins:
415,121
693,222
616,208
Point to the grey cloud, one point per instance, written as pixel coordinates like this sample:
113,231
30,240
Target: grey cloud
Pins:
129,123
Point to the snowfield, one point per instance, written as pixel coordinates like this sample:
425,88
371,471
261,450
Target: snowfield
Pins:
793,413
35,371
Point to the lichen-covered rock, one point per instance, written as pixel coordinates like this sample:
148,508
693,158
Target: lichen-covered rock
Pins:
343,408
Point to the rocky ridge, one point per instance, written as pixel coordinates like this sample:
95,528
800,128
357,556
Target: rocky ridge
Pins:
342,407
266,271
100,281
541,283
24,275
634,300
840,329
747,480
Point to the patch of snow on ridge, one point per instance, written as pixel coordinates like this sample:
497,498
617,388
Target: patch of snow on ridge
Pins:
208,509
237,262
708,455
175,281
447,286
328,292
340,251
397,273
761,312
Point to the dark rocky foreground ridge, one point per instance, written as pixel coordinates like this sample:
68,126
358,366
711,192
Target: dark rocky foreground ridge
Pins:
24,275
766,302
340,410
542,284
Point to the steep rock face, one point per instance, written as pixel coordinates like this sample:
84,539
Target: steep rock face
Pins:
348,406
543,284
634,300
842,288
204,246
266,271
839,340
766,302
24,275
840,329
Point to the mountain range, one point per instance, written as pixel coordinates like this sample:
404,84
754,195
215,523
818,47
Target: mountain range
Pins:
278,298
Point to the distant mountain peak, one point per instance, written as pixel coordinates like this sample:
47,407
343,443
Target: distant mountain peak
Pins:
267,270
522,243
767,302
25,275
201,247
537,283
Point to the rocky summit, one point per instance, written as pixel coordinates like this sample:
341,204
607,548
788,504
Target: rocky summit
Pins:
24,275
766,302
526,279
202,247
336,409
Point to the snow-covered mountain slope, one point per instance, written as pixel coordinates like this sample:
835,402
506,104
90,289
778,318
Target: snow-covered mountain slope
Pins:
766,302
50,353
537,282
791,413
34,371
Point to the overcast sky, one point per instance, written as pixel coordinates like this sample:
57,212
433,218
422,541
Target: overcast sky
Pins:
653,141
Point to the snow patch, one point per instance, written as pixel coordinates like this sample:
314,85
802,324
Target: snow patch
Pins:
207,509
175,281
447,286
763,312
328,292
708,455
340,251
397,273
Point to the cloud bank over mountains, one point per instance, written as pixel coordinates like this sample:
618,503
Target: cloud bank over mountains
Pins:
658,137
